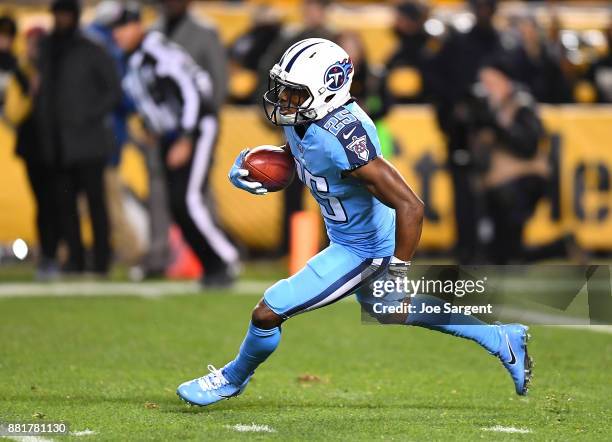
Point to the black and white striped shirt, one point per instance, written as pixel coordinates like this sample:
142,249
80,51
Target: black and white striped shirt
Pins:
170,91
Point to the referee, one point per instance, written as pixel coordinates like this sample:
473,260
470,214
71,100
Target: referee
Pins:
174,97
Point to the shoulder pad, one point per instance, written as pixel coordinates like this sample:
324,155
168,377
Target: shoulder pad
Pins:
349,132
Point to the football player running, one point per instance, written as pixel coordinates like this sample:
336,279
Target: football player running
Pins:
373,219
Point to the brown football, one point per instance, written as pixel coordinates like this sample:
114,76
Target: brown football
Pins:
271,166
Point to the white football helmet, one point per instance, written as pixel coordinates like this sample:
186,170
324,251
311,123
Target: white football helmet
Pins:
312,78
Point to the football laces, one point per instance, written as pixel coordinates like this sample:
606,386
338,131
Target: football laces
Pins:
212,380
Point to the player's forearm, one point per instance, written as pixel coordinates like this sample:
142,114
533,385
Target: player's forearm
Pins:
388,186
408,227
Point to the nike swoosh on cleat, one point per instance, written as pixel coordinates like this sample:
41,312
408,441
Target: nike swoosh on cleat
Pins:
513,359
346,136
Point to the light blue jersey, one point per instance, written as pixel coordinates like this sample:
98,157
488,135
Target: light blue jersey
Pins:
361,229
343,141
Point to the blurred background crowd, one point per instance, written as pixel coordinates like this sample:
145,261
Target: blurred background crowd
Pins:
472,76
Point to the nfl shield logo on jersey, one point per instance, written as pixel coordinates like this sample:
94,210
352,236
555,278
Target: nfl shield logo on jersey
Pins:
360,147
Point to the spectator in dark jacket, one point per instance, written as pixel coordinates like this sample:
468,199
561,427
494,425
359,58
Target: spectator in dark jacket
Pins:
78,91
538,66
18,112
410,67
461,57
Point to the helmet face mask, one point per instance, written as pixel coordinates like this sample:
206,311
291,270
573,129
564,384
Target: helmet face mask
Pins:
288,104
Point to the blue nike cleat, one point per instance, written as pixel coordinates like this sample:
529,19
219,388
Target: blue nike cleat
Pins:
514,356
209,389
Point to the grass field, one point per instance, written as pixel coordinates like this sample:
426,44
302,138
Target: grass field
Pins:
111,365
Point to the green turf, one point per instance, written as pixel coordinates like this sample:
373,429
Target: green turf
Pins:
111,365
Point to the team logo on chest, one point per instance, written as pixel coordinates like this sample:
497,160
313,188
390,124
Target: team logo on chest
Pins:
360,147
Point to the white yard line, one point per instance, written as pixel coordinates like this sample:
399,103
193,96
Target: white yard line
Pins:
562,321
102,288
500,429
86,432
594,328
252,428
29,439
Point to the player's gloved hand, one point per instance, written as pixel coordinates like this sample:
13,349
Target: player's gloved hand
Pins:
237,175
398,268
379,292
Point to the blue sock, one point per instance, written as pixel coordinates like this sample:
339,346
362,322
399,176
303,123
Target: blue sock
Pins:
456,324
258,344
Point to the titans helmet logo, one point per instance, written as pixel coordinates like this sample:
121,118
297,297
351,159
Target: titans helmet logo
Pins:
337,74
